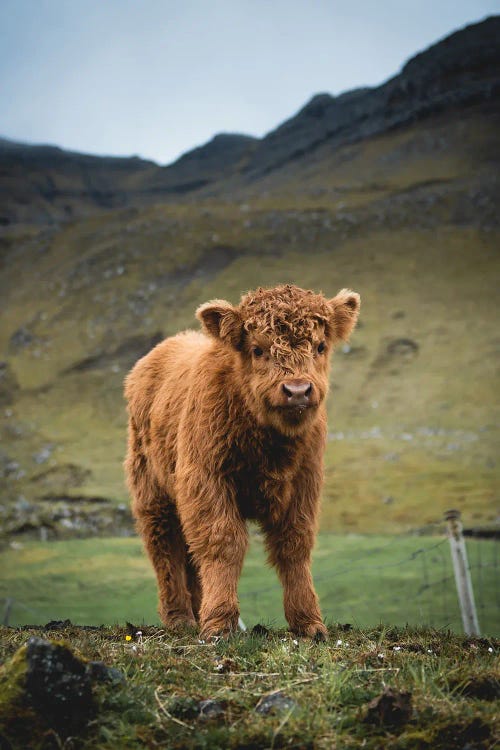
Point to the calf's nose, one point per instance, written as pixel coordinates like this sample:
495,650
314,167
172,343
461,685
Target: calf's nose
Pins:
297,392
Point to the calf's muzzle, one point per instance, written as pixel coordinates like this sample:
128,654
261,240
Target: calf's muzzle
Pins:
297,392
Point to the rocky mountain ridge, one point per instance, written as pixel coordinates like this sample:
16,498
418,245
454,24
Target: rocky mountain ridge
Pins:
43,184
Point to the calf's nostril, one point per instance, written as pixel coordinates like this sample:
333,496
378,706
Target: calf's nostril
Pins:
308,390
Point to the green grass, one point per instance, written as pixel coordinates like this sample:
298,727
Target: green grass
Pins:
452,681
362,580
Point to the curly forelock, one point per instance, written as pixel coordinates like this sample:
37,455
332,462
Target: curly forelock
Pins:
288,316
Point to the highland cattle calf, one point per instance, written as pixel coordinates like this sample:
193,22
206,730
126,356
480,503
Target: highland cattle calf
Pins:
226,425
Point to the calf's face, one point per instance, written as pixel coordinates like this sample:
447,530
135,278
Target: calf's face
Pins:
281,340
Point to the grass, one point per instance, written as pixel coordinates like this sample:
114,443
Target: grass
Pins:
452,682
363,581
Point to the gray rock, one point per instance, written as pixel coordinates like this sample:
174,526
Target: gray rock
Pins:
211,709
57,684
100,672
276,702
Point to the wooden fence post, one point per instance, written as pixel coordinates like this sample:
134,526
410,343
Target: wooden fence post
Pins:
462,573
6,611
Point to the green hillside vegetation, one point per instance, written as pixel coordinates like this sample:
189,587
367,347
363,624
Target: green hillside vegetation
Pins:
408,219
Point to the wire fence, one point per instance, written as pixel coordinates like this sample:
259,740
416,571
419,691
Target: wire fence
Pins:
382,585
360,580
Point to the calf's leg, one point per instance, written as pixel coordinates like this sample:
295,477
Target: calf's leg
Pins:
158,524
290,552
217,538
194,586
162,534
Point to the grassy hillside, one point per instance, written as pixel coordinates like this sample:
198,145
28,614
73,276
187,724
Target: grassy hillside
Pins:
400,689
408,219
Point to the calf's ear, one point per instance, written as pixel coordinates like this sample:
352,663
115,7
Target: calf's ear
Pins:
345,312
221,320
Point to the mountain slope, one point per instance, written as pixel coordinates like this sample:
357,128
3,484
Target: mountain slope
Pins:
408,217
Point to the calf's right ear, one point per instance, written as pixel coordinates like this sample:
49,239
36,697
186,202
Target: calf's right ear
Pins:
221,320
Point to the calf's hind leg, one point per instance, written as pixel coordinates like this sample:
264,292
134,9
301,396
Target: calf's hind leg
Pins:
158,524
161,531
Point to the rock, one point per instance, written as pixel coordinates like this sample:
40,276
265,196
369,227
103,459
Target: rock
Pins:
390,709
44,687
100,672
43,454
57,682
276,702
211,709
21,338
57,625
406,348
8,385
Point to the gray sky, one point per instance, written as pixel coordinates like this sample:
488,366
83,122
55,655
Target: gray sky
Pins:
156,77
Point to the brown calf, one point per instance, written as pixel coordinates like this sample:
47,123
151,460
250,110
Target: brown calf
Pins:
229,425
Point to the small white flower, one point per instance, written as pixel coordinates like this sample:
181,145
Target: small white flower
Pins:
397,648
220,667
490,649
201,641
134,649
295,642
381,656
339,642
429,650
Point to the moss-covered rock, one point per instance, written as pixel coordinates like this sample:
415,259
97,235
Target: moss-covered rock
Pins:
45,689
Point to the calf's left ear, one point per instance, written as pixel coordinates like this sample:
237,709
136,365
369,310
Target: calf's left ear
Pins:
345,312
221,320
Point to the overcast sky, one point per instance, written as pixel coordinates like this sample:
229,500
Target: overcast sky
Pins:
157,77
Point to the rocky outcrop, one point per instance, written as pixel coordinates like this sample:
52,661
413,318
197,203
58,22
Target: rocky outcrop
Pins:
460,70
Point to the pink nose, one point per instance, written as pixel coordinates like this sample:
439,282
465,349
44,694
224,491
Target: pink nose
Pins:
297,392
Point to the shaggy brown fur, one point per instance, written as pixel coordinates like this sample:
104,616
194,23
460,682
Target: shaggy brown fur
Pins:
229,425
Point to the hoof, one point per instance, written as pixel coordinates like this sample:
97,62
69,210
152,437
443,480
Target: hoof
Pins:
316,631
178,622
319,637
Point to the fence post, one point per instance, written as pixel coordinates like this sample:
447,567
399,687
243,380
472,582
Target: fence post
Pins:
462,573
6,611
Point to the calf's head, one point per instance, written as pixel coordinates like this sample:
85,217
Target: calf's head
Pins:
281,340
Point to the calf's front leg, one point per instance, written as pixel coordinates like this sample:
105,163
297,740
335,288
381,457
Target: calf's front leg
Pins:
290,552
217,538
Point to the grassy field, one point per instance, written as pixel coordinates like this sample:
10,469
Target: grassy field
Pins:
407,689
361,580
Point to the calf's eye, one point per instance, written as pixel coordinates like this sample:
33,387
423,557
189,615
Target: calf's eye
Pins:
321,347
257,351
